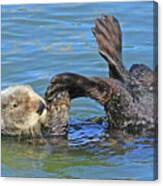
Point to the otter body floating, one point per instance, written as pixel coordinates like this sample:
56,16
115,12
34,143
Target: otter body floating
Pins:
128,97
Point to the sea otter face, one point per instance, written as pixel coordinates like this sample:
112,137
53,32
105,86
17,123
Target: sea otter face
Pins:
22,111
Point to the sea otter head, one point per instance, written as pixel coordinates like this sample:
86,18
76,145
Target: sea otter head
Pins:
22,111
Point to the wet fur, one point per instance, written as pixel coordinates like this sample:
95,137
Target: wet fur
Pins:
127,95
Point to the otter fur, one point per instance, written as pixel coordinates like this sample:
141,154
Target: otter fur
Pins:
129,97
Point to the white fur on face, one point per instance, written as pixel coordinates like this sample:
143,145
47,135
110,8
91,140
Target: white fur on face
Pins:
19,105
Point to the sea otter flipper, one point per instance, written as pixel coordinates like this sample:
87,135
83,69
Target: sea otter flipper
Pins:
108,36
110,93
78,86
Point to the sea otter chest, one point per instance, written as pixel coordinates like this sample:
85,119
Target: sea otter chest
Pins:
144,99
132,108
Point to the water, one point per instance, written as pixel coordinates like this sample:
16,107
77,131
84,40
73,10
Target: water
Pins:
39,41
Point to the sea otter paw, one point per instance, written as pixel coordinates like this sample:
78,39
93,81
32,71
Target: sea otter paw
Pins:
59,86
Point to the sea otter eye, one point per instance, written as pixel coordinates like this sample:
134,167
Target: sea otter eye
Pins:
15,105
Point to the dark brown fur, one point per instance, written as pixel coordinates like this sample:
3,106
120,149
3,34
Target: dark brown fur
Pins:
127,96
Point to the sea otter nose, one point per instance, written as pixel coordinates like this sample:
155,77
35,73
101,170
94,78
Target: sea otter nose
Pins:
40,108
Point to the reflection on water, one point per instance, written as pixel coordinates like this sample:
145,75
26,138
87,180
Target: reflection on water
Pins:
103,160
89,152
39,41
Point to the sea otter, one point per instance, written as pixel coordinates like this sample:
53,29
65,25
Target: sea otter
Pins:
128,97
22,111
